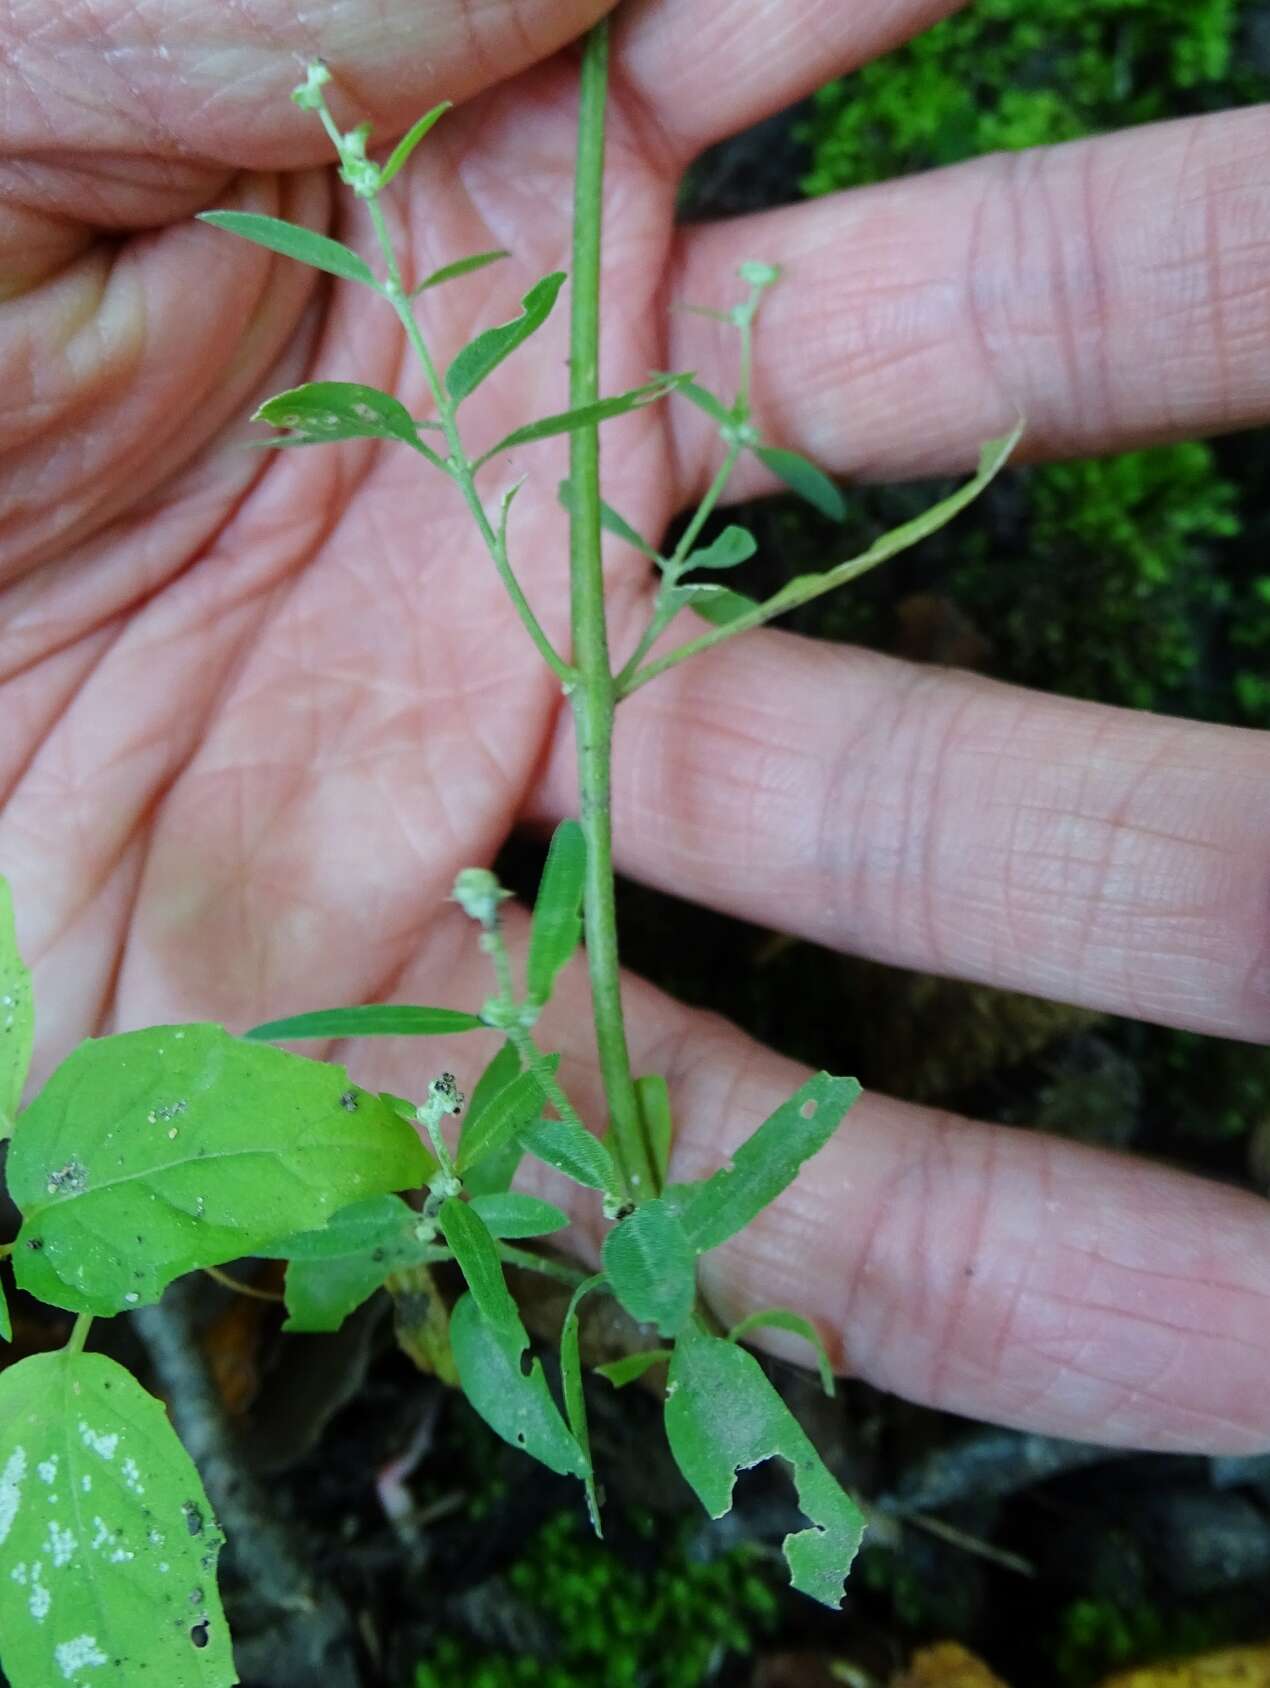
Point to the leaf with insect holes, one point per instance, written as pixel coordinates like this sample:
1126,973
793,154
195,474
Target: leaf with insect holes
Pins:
156,1152
556,930
109,1543
804,478
321,412
734,545
651,1267
574,1395
480,357
586,415
610,520
781,1318
722,1417
652,1098
496,1167
17,1016
501,1119
515,1404
765,1164
332,1271
511,1215
631,1367
374,1019
293,241
460,266
473,1248
400,154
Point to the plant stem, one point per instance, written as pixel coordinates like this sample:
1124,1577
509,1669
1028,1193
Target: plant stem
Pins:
79,1333
594,697
530,1262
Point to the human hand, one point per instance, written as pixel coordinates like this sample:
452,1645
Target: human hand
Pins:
260,708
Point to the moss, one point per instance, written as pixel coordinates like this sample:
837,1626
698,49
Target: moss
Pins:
1097,1636
616,1623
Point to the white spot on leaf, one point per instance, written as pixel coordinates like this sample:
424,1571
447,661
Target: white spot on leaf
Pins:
79,1653
11,1489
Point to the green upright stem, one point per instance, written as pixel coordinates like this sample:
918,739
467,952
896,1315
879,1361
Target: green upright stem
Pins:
593,698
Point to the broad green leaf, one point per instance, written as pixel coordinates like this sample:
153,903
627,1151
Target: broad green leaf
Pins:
723,1416
332,1271
781,1318
734,545
374,1019
719,608
557,923
714,407
633,1366
410,140
805,479
651,1267
765,1164
480,357
500,1120
585,415
6,1323
107,1539
516,1405
574,1394
460,266
292,241
511,1215
496,1168
355,1229
474,1249
159,1151
323,411
652,1098
571,1149
17,1016
611,522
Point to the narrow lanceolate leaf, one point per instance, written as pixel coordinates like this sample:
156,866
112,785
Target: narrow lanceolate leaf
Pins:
586,415
496,1167
375,1019
499,1121
107,1539
781,1318
474,1249
17,1016
723,1416
633,1366
765,1164
320,412
652,1098
510,1215
574,1394
611,521
719,608
571,1149
557,922
480,357
410,140
518,1407
460,266
805,479
160,1151
651,1267
734,545
331,1272
292,241
714,407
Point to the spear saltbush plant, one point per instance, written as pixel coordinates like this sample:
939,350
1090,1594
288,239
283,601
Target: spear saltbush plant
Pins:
177,1148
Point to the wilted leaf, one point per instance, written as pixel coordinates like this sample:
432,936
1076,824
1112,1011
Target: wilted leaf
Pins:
723,1416
410,140
374,1019
17,1016
320,412
805,479
651,1267
781,1318
109,1543
156,1152
511,1215
587,415
557,921
480,357
518,1406
574,1395
765,1164
292,241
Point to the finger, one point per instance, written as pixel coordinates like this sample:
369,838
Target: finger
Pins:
701,71
1114,291
984,1270
943,822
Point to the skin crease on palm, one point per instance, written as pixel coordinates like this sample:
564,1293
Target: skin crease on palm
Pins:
258,709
